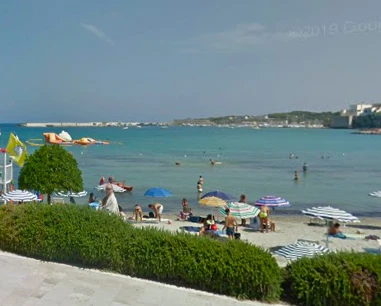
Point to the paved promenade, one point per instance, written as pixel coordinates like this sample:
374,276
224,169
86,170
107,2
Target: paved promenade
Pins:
29,282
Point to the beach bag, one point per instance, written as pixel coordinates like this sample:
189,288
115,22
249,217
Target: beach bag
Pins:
237,236
213,227
151,215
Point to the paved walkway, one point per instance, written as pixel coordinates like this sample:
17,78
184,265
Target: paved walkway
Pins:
28,282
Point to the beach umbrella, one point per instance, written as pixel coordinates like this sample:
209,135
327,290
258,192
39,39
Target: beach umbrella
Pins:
219,194
301,249
212,202
158,193
272,201
330,213
72,195
241,210
19,196
116,188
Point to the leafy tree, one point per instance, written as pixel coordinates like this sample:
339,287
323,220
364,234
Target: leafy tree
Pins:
51,169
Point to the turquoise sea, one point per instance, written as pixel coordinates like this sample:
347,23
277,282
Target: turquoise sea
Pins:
254,162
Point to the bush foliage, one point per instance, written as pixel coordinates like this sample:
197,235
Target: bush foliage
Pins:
347,279
51,169
78,235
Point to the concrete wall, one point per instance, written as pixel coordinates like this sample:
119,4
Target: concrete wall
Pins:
341,122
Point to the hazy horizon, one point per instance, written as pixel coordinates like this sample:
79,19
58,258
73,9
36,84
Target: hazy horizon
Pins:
158,61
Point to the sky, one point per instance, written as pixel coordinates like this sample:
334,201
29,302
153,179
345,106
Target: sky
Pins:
140,60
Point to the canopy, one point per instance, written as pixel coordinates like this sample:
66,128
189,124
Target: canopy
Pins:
19,196
376,194
219,194
241,210
158,193
301,249
65,136
212,202
330,213
72,195
272,201
116,188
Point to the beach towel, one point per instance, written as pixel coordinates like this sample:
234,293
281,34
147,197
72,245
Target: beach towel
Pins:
339,235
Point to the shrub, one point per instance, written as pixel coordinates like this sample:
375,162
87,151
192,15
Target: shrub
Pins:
78,235
335,279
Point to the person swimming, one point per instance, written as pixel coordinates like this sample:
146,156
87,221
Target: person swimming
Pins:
212,162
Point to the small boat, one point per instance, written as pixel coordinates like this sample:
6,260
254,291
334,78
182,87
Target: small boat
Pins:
125,187
164,127
125,128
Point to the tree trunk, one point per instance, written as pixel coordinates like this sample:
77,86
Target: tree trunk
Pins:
49,199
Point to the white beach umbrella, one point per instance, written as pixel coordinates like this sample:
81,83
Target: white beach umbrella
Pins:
73,195
330,213
301,249
116,188
19,196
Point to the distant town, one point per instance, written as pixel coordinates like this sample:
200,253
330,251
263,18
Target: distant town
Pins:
359,116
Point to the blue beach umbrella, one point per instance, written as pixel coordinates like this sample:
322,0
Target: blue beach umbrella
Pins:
158,193
221,195
271,201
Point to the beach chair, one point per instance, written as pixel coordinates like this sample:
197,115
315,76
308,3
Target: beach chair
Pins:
58,201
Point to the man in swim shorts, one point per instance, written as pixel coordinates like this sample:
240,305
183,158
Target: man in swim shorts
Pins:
230,223
157,209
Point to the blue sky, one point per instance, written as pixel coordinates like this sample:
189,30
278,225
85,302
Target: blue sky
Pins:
141,60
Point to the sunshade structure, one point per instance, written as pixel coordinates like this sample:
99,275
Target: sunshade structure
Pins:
221,195
72,195
301,249
19,196
212,202
158,193
241,210
272,201
376,194
330,213
116,188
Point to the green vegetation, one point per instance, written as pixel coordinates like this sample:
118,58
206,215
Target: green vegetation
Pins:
367,122
301,116
347,279
79,235
51,169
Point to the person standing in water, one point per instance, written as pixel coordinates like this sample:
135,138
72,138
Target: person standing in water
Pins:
201,180
296,176
305,167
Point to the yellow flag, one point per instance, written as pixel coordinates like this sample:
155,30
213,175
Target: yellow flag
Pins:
16,150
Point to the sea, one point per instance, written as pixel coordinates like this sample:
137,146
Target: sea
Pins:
254,162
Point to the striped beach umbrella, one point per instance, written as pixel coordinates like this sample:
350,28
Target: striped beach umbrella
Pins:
272,201
212,202
330,213
116,188
73,195
241,210
19,196
301,249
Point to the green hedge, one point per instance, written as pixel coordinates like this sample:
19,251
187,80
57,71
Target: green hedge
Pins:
347,279
79,235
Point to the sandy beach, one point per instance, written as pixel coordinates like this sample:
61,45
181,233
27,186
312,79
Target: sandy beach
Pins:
291,228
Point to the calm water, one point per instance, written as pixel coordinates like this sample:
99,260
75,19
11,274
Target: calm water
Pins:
255,162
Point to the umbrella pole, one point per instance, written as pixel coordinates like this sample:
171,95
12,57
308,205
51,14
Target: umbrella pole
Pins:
327,241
